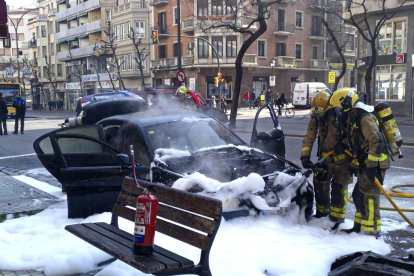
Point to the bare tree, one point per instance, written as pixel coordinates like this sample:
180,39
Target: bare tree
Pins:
247,17
140,54
50,75
77,71
110,47
368,17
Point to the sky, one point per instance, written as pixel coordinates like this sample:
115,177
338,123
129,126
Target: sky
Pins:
14,4
264,245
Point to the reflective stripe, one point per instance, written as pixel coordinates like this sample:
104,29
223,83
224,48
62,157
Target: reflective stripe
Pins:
372,228
336,213
339,212
339,157
327,154
306,149
370,224
380,158
322,209
357,218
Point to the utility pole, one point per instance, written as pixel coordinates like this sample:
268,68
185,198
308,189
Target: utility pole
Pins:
179,34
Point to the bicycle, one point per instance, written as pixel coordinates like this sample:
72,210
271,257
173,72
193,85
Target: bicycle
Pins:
289,110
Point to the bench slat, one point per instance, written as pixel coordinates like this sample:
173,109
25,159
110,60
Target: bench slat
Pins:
179,215
106,239
199,204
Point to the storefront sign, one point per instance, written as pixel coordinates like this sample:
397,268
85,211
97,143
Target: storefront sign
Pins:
72,86
272,80
399,58
192,83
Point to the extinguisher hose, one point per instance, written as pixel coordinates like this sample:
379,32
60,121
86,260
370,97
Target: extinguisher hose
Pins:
379,185
131,147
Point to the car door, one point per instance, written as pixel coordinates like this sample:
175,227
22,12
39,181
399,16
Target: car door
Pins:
75,155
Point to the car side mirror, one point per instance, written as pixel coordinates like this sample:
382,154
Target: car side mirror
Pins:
123,158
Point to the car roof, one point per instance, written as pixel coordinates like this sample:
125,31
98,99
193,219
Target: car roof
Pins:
156,117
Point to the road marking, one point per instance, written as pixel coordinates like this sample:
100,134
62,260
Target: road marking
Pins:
17,156
402,168
43,186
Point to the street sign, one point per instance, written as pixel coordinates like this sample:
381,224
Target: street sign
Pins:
272,80
399,58
331,77
180,76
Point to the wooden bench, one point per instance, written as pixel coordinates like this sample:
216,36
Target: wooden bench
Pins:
192,219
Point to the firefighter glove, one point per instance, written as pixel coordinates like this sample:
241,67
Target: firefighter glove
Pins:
339,148
306,163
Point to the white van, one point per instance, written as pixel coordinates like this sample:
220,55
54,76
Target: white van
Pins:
304,92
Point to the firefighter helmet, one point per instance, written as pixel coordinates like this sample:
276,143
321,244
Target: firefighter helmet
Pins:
320,103
345,98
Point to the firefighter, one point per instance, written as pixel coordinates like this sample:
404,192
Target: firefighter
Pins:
369,160
331,186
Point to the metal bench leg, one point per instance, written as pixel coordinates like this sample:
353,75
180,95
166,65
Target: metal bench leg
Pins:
111,260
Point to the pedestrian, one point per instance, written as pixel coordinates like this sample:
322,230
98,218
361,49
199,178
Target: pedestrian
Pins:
246,98
252,99
268,96
3,115
369,160
280,102
20,105
331,185
262,98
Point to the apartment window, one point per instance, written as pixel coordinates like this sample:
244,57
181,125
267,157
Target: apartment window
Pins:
350,42
162,51
122,63
316,29
43,31
162,23
231,46
116,32
315,52
44,51
122,32
231,6
140,28
202,48
51,27
217,42
217,7
298,51
175,16
59,70
44,71
261,48
390,82
143,63
281,20
52,49
299,19
108,15
280,49
202,8
392,38
129,62
127,29
175,49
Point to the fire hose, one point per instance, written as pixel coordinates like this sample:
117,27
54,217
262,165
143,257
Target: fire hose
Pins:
393,193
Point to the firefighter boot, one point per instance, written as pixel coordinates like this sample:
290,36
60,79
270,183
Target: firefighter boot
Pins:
355,229
320,215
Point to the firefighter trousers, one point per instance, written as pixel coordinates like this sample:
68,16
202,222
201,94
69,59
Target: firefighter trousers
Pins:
366,196
331,190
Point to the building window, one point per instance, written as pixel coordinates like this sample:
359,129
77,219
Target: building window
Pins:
43,31
140,29
231,46
217,42
298,51
392,38
350,42
44,51
202,48
162,51
59,70
108,16
217,7
202,8
281,26
122,32
117,32
315,52
175,16
162,23
280,49
299,19
231,7
390,82
261,48
175,49
316,29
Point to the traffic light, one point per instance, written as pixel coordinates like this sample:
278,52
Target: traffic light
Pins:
219,76
216,82
155,37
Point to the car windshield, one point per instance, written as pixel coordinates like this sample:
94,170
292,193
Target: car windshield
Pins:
190,135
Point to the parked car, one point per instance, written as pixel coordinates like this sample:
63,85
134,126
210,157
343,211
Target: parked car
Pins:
110,95
91,160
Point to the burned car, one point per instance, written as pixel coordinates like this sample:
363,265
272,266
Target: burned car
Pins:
91,160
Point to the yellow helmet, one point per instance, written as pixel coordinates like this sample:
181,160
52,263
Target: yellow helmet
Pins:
345,98
320,103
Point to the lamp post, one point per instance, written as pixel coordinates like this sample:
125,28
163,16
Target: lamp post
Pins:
15,26
273,64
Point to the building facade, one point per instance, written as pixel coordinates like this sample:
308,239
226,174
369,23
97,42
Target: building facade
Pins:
292,48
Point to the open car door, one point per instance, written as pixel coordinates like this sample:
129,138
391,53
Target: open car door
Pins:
90,170
272,141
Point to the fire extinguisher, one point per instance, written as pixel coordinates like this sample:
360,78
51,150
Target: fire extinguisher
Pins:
145,217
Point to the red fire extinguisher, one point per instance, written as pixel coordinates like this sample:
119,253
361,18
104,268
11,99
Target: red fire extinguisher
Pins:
144,231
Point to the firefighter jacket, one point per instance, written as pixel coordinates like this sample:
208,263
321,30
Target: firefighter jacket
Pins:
366,140
329,133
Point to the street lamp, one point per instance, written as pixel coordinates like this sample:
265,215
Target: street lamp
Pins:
273,64
15,26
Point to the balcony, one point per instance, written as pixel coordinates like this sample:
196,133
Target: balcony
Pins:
78,9
285,61
158,2
250,59
317,34
32,43
315,4
135,6
318,63
81,52
281,28
187,25
81,30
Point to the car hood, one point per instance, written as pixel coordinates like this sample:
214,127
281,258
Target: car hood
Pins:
223,163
